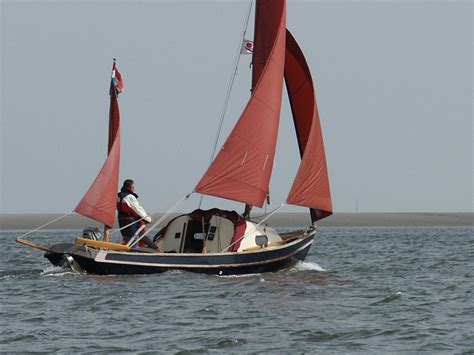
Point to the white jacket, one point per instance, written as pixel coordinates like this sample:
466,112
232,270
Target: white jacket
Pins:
132,202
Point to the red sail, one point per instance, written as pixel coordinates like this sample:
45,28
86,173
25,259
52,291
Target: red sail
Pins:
242,169
99,202
267,24
311,185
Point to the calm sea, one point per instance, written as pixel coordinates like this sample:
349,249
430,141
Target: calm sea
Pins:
371,290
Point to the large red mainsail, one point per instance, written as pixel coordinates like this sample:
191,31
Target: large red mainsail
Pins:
267,24
241,171
99,202
311,185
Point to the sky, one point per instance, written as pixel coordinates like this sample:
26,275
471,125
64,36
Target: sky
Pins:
393,79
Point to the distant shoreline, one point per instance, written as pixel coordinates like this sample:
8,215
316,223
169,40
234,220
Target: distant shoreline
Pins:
284,220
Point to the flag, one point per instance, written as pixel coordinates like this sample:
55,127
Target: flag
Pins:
117,81
247,47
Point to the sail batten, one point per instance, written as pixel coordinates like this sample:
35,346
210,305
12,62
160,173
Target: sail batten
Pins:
311,184
255,133
99,202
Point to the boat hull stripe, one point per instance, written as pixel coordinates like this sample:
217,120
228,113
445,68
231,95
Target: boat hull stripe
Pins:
102,257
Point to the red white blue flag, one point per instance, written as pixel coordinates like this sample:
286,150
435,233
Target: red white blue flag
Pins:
117,81
247,47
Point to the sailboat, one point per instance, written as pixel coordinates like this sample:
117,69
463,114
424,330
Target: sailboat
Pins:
217,241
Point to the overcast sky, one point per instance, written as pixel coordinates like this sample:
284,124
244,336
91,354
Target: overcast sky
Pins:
393,79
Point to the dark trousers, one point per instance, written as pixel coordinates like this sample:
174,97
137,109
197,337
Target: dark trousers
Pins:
129,232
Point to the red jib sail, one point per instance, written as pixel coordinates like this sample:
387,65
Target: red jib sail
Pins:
99,202
311,185
241,170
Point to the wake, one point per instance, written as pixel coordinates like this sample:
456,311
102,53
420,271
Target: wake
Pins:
308,266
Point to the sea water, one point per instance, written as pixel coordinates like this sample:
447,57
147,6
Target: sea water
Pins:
371,290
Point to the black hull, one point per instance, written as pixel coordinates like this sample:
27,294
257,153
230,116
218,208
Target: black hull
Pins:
122,263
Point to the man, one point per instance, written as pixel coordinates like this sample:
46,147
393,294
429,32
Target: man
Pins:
129,211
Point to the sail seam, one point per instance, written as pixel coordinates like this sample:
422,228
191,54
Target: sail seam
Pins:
266,105
230,179
250,144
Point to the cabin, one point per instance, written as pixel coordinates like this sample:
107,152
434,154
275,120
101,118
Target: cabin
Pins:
213,231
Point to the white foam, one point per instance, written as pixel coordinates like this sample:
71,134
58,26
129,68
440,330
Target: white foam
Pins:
308,266
55,271
239,276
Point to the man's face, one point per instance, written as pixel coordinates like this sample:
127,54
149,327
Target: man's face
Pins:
132,188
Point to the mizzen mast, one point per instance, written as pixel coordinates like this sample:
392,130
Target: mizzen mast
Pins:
99,202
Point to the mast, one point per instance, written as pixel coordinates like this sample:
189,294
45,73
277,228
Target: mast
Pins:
113,110
263,44
99,202
113,127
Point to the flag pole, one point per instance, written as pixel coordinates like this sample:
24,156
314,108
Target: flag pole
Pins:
106,227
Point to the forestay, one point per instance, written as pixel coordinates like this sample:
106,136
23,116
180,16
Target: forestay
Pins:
241,170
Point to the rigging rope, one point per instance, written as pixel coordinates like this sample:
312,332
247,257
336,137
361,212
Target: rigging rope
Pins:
135,240
259,223
229,89
46,224
271,214
128,225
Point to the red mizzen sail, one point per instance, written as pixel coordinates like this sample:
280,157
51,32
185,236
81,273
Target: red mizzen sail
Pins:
99,202
241,170
311,185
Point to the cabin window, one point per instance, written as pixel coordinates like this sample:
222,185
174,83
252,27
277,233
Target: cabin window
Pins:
199,236
212,233
177,235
